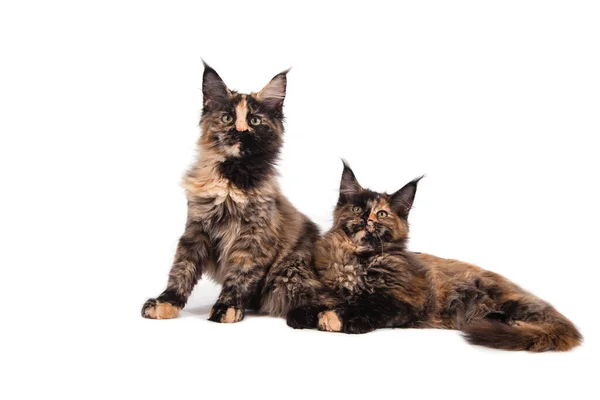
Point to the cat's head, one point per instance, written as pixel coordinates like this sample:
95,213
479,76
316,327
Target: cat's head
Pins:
370,218
237,125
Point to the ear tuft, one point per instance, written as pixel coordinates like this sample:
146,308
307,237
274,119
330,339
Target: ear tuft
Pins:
402,200
349,184
273,94
214,90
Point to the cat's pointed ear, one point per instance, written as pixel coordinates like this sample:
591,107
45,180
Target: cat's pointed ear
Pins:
402,200
349,186
214,90
273,94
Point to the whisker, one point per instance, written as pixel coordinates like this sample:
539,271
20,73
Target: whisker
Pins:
380,241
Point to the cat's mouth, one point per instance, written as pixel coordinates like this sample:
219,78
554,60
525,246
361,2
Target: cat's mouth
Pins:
232,150
367,235
229,144
371,233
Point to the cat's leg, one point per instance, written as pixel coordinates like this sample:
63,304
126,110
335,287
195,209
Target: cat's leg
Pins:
192,252
304,317
248,261
293,290
292,287
240,287
373,311
314,305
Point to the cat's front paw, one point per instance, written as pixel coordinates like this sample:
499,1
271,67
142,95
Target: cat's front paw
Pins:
225,314
153,309
330,321
357,324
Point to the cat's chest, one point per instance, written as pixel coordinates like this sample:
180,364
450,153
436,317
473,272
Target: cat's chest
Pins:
216,200
226,220
214,197
351,276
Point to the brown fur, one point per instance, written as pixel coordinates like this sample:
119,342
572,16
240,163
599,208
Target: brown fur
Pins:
534,325
241,231
363,260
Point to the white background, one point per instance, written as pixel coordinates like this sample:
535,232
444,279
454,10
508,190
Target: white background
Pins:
497,102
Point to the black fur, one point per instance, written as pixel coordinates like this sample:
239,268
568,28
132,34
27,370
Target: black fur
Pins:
257,161
376,310
150,303
258,148
169,296
305,317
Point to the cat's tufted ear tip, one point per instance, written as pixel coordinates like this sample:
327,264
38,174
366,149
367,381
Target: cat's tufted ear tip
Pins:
347,170
417,179
273,94
349,184
207,68
402,200
214,89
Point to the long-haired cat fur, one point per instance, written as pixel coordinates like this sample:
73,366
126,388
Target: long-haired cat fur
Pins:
241,231
364,260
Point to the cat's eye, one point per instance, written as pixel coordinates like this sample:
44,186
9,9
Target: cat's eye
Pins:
357,209
255,121
227,118
382,214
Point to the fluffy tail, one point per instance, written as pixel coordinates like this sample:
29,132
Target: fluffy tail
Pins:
555,332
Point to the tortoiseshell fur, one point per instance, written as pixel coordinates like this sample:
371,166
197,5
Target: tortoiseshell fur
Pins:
364,260
241,231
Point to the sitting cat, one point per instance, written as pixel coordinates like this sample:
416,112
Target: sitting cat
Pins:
364,260
241,230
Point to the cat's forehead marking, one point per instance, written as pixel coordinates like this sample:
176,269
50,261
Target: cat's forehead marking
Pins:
241,112
371,203
382,204
378,203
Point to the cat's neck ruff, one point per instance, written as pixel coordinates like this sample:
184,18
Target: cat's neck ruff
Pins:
203,181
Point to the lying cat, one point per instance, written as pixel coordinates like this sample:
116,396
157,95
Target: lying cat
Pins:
364,260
